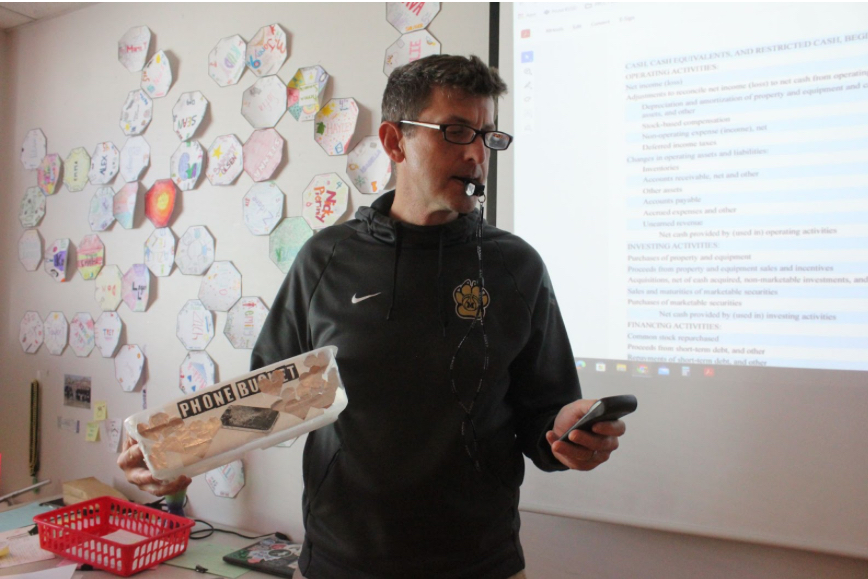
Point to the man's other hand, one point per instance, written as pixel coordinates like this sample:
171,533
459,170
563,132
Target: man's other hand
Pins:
132,462
586,450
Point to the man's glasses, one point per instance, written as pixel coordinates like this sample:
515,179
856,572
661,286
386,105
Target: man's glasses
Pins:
464,135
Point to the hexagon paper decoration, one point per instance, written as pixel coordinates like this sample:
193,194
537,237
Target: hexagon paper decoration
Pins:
128,366
136,287
368,166
226,62
107,333
56,332
101,211
75,169
186,165
221,287
195,327
225,160
265,102
48,173
160,252
56,258
90,255
262,152
409,48
266,51
226,481
244,322
32,208
81,334
157,76
34,149
324,200
263,208
197,372
124,204
108,288
160,202
410,16
195,252
335,124
135,157
304,92
188,113
104,163
30,332
133,48
286,240
30,249
137,112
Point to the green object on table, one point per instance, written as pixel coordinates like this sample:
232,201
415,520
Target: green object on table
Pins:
175,502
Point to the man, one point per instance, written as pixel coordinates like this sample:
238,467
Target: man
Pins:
451,348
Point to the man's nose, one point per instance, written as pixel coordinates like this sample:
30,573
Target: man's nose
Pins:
476,151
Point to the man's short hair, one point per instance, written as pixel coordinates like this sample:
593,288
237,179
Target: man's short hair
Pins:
408,91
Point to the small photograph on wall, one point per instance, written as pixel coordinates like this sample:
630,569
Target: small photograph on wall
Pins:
76,391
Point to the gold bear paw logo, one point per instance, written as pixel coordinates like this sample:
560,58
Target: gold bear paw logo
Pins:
468,301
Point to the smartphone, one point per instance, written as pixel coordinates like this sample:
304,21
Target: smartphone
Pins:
249,418
604,410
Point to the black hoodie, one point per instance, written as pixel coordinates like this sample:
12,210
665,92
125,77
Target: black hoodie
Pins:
397,487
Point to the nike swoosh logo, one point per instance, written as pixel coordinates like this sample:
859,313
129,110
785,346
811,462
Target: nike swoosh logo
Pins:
363,298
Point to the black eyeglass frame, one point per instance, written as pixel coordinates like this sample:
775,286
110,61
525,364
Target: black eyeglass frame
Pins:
477,133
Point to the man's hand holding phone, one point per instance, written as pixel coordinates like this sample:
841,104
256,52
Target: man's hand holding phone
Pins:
586,432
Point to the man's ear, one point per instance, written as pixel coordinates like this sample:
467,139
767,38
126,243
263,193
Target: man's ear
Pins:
392,140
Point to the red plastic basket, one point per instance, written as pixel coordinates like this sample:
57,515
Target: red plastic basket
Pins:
78,532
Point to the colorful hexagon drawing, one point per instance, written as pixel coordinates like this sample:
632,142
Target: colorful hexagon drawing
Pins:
31,332
263,152
188,113
409,16
32,208
197,372
34,149
267,51
101,211
286,241
186,165
129,364
108,288
56,259
135,157
157,76
244,322
265,102
226,62
56,333
195,327
90,255
225,160
195,252
409,48
136,287
81,334
368,166
304,92
48,173
335,124
227,480
75,169
160,252
107,333
124,204
324,200
104,163
160,202
137,113
263,208
133,48
221,287
30,249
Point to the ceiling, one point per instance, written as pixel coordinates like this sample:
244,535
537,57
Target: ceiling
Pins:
14,14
